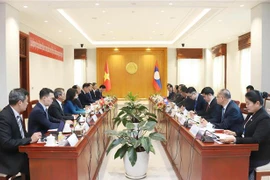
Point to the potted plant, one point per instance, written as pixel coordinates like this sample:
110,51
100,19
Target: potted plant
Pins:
133,112
135,140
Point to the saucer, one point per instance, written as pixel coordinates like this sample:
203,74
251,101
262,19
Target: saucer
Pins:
51,145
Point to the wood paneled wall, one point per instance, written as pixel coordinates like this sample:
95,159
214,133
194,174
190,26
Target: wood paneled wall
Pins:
141,82
244,41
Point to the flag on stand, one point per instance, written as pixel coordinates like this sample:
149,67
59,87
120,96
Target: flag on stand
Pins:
107,80
156,80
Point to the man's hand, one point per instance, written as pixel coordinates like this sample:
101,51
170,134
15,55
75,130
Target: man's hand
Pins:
35,137
229,132
69,122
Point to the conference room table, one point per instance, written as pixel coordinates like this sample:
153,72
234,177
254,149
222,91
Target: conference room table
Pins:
194,160
80,162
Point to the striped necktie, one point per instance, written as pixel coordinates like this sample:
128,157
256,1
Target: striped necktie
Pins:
222,115
19,122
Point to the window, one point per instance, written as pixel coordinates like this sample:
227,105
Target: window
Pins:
218,73
245,71
79,71
190,73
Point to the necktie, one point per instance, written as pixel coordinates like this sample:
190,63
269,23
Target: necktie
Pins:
62,107
19,122
46,111
195,105
207,108
222,115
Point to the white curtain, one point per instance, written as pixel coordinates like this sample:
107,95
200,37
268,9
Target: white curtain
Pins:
190,73
79,72
245,71
218,73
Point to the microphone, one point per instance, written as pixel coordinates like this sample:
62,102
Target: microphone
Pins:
187,125
206,138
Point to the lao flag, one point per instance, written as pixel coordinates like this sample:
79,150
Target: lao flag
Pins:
107,80
156,80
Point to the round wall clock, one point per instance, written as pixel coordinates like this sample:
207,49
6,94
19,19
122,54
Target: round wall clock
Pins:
131,67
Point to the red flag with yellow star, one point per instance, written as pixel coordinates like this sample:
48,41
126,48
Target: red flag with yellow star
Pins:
107,80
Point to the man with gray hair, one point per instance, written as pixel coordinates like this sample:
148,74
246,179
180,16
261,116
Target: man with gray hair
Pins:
231,117
13,135
55,109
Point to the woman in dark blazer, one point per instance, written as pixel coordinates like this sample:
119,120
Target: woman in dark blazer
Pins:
69,106
256,130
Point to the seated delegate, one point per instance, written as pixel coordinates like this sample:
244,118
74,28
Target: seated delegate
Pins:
69,106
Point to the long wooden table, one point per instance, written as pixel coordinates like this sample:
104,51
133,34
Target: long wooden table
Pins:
195,160
81,162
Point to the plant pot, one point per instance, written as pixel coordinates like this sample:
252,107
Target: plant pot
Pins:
139,170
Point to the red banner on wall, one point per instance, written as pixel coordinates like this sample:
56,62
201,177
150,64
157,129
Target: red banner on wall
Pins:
43,47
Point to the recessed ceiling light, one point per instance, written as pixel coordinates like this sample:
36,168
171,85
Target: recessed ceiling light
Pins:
97,4
219,20
150,37
108,23
153,31
157,22
69,38
162,11
111,31
25,6
113,38
45,21
60,31
103,11
242,5
170,4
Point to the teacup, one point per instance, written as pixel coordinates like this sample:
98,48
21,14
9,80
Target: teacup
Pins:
50,140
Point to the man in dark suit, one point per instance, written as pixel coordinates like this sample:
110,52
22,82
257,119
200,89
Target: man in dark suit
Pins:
77,101
199,102
93,91
39,119
171,93
99,92
84,96
231,117
213,110
13,135
55,109
186,102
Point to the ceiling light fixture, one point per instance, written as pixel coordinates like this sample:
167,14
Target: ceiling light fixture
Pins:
200,16
71,21
103,11
60,31
45,21
162,11
157,23
170,4
97,4
25,6
242,5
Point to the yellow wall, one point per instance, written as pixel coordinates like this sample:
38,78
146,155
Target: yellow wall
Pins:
139,83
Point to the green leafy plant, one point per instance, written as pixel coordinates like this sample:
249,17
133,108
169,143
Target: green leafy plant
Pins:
134,139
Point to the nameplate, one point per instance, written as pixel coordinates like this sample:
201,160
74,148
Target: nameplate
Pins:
72,139
182,120
100,111
194,130
173,113
94,117
86,127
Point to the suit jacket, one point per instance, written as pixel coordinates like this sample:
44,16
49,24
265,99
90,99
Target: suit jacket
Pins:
213,112
12,161
98,94
178,98
257,130
38,121
93,94
201,105
187,103
71,108
233,118
171,96
77,102
56,111
85,99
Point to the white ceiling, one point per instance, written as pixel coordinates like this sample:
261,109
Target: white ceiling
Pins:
149,23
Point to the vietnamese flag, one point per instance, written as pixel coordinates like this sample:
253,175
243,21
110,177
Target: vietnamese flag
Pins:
107,80
156,80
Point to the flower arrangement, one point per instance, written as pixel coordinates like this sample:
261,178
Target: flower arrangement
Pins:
156,98
160,105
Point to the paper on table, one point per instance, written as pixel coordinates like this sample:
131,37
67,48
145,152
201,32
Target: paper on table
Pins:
223,136
67,128
50,130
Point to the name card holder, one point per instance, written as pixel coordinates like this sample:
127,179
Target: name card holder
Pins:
72,139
